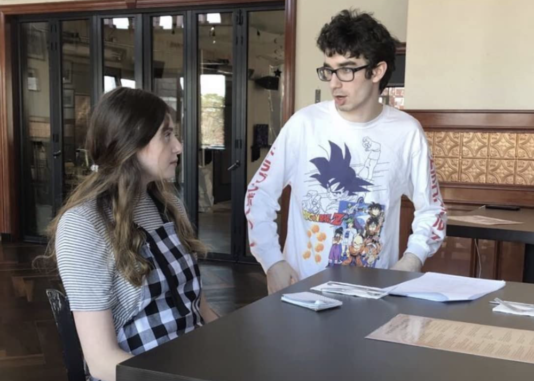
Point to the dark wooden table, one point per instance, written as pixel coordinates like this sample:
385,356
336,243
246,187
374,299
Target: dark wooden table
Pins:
270,340
522,233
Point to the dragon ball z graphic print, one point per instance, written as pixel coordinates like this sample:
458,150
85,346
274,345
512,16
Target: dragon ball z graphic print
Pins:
346,223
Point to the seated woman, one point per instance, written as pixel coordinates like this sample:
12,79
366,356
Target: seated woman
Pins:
125,249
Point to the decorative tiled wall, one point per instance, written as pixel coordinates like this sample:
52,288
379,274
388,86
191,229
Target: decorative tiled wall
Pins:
483,157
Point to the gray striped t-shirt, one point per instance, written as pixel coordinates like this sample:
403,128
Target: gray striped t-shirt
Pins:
87,264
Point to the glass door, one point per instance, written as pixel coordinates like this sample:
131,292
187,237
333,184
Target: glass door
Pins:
76,101
166,71
240,92
265,90
118,52
37,149
221,72
215,118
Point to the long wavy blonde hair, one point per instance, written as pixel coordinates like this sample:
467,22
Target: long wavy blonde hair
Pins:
122,123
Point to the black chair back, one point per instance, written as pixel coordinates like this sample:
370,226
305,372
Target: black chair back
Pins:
72,350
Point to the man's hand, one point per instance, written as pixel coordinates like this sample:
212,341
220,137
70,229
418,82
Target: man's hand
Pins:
408,262
279,276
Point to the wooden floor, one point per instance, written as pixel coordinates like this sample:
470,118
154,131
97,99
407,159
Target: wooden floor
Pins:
29,342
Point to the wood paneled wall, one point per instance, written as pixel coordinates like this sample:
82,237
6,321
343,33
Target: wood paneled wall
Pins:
482,157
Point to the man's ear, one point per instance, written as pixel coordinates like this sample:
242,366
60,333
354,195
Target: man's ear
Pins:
379,71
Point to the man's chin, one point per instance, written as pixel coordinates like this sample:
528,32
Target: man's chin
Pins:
345,108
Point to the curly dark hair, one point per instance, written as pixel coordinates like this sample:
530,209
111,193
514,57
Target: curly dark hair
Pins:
359,35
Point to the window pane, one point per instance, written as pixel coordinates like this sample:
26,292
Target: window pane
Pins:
76,66
168,69
265,86
119,57
36,147
215,135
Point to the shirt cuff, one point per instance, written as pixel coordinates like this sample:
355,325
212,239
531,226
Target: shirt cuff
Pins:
269,261
419,251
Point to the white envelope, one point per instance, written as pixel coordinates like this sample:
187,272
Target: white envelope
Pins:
311,301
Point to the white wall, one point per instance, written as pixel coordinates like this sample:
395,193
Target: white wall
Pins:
312,15
470,54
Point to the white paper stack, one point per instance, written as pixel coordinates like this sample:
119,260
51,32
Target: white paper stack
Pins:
445,288
351,290
312,301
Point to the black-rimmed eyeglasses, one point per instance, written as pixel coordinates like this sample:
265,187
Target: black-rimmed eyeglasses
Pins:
344,74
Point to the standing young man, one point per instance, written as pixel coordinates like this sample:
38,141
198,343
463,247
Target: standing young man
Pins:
348,162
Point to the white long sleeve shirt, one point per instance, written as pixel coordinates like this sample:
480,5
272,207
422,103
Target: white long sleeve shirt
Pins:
347,180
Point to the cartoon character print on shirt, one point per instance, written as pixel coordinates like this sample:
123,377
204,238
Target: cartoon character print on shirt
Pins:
337,200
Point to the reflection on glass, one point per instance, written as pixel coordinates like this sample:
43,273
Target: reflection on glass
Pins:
215,118
36,147
265,86
168,69
76,66
119,57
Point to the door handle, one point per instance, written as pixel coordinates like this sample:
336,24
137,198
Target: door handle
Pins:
234,166
56,154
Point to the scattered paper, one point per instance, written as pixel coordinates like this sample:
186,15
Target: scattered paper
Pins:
513,308
351,290
445,288
312,301
482,220
454,336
